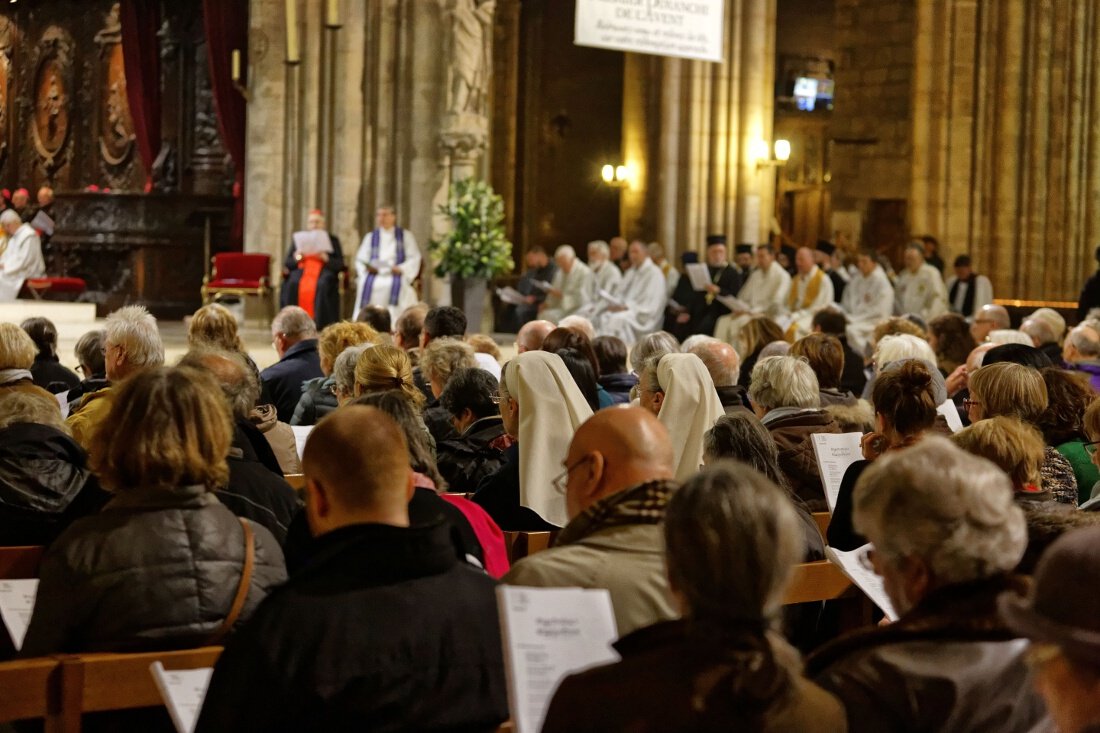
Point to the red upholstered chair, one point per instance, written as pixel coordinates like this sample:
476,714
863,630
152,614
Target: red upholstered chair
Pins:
67,287
241,274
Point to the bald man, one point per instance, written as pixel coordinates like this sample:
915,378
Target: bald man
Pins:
724,366
989,318
532,334
617,479
383,619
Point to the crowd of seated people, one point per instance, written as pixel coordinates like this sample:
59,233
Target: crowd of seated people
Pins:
667,474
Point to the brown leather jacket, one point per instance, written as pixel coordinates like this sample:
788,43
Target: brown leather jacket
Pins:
792,434
949,665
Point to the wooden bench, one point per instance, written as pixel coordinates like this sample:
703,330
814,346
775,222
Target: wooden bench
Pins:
297,481
18,563
817,581
822,519
31,689
60,689
522,544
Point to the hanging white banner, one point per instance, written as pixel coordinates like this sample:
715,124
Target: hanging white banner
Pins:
691,29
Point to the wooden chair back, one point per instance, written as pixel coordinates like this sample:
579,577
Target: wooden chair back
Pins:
19,563
297,481
98,682
822,519
31,688
522,544
817,581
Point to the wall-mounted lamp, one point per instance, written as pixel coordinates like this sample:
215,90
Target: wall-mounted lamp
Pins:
616,175
763,157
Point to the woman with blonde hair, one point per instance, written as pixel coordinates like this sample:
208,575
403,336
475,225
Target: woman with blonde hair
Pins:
386,367
214,325
111,581
1018,391
541,407
319,394
17,352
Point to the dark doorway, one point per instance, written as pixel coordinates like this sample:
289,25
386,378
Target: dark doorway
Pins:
567,124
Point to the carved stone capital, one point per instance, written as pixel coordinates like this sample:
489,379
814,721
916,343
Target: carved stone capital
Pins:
464,135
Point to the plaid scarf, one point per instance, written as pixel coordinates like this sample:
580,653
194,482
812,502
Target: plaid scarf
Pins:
641,504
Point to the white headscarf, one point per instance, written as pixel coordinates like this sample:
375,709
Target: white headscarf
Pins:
690,409
551,408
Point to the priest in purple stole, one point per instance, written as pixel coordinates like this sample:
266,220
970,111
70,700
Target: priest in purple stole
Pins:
388,261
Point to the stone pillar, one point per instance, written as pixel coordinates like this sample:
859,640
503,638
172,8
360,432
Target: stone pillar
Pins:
1006,134
711,117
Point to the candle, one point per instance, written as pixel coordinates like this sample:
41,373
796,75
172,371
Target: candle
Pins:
332,14
236,74
293,55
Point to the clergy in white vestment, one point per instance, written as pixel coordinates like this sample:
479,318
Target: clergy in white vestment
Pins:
811,288
22,257
571,287
387,262
967,291
640,309
919,288
868,300
765,293
606,276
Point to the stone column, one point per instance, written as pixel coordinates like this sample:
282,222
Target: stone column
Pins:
1006,137
711,116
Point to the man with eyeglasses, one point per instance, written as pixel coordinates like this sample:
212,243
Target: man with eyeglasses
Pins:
989,318
616,482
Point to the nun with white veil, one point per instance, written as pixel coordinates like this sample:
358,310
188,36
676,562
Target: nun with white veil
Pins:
541,407
677,388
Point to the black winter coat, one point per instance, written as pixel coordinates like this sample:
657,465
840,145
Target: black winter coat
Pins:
153,570
282,381
50,375
465,460
44,484
255,493
383,630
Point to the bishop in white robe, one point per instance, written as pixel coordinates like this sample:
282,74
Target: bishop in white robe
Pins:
642,297
570,288
22,257
765,294
868,300
388,261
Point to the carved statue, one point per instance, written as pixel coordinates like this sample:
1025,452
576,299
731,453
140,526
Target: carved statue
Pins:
472,39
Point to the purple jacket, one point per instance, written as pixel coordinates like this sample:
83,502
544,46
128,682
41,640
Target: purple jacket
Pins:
1092,368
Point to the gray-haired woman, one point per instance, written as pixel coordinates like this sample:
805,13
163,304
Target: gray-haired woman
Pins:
946,535
731,538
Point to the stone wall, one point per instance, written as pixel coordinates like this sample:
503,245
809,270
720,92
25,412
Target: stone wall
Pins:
871,123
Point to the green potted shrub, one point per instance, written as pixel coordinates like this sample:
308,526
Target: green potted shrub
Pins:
475,250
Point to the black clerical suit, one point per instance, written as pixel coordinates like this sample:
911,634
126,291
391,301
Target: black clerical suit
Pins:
704,310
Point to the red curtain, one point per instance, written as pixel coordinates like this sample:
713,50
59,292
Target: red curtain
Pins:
226,25
141,58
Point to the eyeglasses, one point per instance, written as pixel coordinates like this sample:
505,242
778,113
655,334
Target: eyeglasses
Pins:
1090,447
561,481
970,403
495,399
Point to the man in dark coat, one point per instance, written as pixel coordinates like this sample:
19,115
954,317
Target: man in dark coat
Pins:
383,628
319,270
540,269
697,311
477,449
294,336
